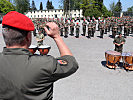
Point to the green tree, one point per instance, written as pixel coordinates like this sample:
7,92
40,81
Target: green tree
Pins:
118,7
112,7
90,8
41,6
33,7
6,6
49,5
105,12
130,9
70,5
22,5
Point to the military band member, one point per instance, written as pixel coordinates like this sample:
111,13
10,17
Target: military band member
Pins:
84,27
72,27
40,37
119,41
77,30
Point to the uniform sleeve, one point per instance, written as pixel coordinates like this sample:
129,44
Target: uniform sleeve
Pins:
63,67
114,40
123,40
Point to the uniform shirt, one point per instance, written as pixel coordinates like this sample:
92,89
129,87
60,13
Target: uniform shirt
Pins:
84,24
119,40
34,75
72,23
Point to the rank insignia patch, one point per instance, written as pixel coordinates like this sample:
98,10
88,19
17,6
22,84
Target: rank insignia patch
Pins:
62,62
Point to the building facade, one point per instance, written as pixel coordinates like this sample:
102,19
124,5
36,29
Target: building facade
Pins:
53,13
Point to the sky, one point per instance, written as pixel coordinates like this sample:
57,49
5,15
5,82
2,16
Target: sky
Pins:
125,3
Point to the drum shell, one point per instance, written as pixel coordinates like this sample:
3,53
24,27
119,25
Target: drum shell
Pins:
112,58
44,51
32,50
128,59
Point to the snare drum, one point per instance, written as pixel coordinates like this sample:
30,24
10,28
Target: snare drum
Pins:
32,49
44,49
112,57
127,58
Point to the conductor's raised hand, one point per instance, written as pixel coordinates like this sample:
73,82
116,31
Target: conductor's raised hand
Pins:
53,30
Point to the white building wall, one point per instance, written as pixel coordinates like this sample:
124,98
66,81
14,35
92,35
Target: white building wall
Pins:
52,13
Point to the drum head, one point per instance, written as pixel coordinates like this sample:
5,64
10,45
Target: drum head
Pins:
32,46
44,46
113,53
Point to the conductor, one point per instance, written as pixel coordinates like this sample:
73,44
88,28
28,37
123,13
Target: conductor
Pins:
32,76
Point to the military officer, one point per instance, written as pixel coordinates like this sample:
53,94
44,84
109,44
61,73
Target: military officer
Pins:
84,27
119,41
31,76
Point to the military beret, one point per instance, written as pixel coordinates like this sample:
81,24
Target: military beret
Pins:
18,20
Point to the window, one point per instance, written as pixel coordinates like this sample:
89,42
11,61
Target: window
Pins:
55,10
41,15
31,16
74,14
34,16
38,15
34,11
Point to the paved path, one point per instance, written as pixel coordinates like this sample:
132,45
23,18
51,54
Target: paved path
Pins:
92,81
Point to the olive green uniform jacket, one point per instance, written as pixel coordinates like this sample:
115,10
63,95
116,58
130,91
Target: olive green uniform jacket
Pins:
119,41
32,76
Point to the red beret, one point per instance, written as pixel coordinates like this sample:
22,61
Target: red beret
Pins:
18,20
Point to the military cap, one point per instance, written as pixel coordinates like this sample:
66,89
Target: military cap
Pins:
18,20
119,33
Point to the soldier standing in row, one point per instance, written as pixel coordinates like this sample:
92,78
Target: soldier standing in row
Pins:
84,27
115,30
101,29
120,26
72,27
66,28
90,29
126,29
77,30
94,27
61,28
